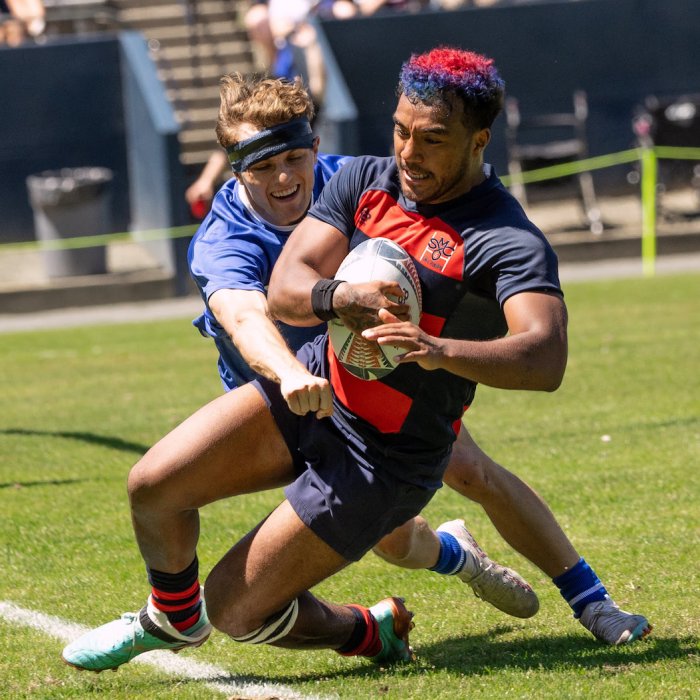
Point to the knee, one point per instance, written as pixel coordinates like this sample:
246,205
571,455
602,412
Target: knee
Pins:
231,611
471,473
146,485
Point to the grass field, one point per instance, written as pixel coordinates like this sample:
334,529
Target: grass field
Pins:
615,452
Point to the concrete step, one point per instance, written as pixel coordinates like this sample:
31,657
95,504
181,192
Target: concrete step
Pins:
193,45
181,32
194,159
183,52
214,26
196,136
206,97
195,73
124,5
201,8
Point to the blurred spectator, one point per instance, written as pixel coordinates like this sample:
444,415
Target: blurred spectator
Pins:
284,38
286,44
20,19
257,25
298,52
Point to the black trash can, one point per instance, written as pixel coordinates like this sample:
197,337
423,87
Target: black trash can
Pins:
71,203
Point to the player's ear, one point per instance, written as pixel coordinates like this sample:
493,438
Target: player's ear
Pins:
481,139
317,141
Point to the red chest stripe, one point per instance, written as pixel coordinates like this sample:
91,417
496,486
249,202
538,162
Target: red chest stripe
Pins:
380,405
431,324
431,241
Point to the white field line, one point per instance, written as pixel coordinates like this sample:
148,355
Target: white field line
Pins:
213,677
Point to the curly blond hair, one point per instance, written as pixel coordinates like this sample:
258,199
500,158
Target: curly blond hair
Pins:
263,102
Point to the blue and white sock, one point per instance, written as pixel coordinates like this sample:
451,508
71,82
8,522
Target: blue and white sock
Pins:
452,556
580,586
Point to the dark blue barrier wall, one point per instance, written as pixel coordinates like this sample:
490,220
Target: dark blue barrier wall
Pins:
61,107
619,51
93,101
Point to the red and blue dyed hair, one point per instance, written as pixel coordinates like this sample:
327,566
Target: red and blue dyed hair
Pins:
431,77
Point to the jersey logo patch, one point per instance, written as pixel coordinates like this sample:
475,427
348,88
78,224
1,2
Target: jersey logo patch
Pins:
438,251
430,241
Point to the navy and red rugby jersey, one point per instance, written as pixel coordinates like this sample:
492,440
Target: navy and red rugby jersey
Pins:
471,253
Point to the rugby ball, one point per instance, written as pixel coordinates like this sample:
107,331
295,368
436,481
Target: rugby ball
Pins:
374,259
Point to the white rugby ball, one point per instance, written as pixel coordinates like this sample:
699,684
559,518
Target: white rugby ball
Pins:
374,259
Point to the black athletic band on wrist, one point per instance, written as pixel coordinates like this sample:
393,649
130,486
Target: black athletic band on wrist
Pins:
322,299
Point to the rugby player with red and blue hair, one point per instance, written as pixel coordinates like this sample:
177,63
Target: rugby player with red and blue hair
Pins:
493,313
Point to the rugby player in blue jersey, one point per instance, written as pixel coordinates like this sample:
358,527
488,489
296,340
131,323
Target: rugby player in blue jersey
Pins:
350,483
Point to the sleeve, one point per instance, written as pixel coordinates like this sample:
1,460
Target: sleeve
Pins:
226,254
337,202
527,263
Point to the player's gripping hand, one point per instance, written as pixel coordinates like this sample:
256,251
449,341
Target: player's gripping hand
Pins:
306,393
357,305
426,350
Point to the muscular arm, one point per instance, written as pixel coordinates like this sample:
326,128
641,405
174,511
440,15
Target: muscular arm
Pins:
244,316
532,356
314,251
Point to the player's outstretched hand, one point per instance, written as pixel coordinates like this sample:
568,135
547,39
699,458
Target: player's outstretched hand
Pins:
306,393
418,346
357,304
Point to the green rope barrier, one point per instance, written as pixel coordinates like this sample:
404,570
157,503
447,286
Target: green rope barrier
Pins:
101,239
677,153
648,158
552,172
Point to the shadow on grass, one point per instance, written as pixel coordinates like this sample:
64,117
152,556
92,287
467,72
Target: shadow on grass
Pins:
484,655
102,440
46,482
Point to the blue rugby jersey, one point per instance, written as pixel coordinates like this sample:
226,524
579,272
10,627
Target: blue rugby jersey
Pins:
471,253
236,249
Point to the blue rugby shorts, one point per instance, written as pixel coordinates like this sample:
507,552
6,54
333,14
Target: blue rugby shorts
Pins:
344,493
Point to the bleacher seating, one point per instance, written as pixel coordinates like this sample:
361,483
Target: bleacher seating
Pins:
192,43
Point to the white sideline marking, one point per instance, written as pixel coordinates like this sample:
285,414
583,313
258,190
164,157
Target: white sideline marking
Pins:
214,677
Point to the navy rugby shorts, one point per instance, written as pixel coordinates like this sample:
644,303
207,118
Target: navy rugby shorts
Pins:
346,495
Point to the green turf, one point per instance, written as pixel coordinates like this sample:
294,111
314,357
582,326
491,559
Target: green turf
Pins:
79,406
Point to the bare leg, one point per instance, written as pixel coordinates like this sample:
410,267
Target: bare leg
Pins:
274,564
521,517
229,447
415,545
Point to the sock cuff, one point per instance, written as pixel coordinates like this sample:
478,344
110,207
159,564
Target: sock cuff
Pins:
174,583
452,556
571,574
175,598
364,639
580,586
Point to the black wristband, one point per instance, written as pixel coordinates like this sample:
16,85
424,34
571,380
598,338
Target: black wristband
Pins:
322,299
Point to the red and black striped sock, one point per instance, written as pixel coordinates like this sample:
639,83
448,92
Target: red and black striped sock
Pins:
177,595
364,640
